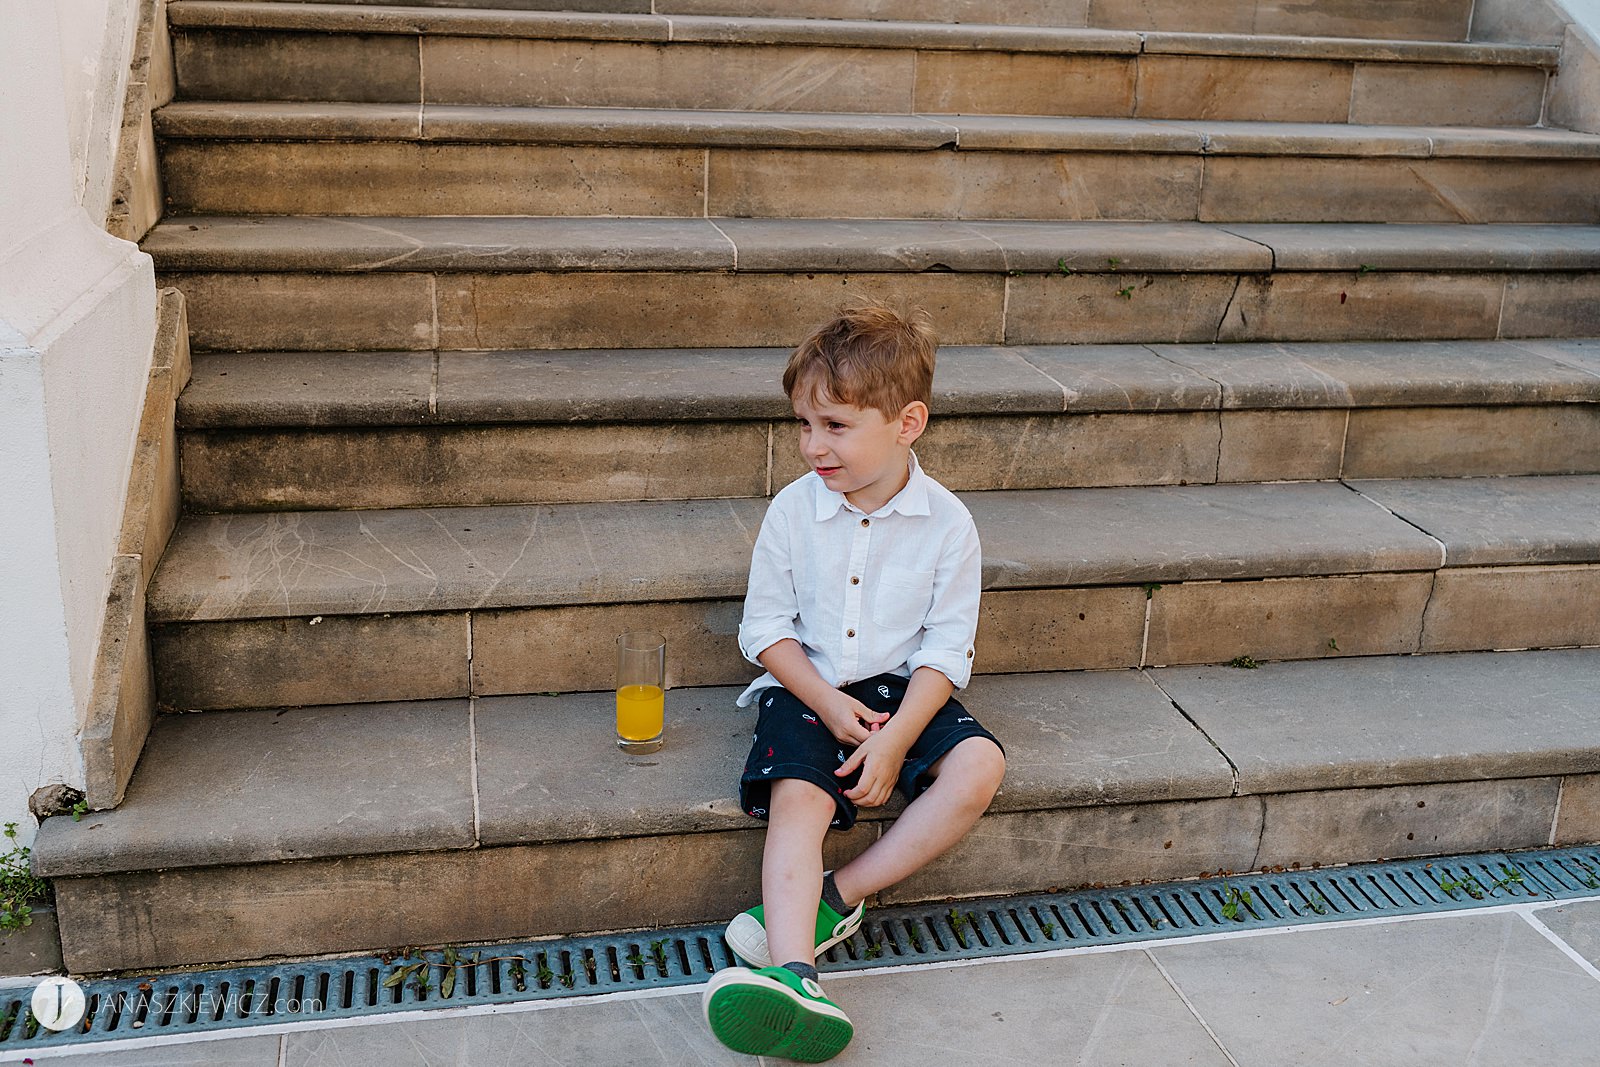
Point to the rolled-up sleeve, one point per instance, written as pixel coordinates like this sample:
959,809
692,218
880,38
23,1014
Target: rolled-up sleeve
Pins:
771,606
952,621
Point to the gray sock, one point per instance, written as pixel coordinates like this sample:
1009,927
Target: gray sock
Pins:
804,970
831,897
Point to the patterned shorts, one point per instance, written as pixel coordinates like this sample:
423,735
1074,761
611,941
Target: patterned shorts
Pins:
792,741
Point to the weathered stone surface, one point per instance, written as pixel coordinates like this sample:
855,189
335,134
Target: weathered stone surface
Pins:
152,508
1085,185
369,902
286,119
1446,95
333,562
400,467
1551,305
1288,189
1057,451
1092,308
122,696
1486,521
1509,20
1031,851
1217,87
1406,820
387,179
1352,307
281,785
1423,20
399,244
322,312
242,65
1180,534
1576,87
482,70
1468,442
1288,618
1021,84
1384,247
1582,354
256,663
304,389
1513,607
566,649
1060,629
1120,378
1578,822
651,310
1021,13
1400,720
1260,446
1321,46
34,949
1056,133
1381,374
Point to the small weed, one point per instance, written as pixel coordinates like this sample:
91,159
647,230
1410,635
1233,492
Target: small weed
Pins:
1468,885
1365,268
1126,292
874,949
658,950
1244,663
634,959
1063,269
1510,877
1049,929
518,971
566,980
19,889
1150,589
1333,644
1318,903
1590,879
1114,262
958,924
916,939
545,975
1232,900
79,810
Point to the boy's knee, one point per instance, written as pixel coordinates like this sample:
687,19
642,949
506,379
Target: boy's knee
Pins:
979,763
798,796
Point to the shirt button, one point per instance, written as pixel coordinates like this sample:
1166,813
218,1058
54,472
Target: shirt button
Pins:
854,580
849,633
969,653
866,522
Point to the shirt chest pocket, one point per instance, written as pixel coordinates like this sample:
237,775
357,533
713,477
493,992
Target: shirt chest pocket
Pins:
902,598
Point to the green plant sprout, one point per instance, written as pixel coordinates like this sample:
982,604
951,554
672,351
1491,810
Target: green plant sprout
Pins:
1150,589
1049,929
1061,266
19,889
1126,292
1244,663
1232,900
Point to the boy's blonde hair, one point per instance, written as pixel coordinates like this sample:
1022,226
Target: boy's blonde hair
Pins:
869,356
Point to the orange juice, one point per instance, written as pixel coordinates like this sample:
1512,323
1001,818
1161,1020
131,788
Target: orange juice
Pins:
640,711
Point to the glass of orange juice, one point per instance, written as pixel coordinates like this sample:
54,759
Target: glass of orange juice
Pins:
641,690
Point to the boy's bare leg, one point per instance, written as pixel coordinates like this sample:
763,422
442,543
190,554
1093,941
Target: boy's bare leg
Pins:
791,868
965,780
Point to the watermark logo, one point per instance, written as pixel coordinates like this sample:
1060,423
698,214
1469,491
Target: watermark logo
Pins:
58,1003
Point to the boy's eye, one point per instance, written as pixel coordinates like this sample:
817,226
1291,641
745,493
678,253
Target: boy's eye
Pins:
835,425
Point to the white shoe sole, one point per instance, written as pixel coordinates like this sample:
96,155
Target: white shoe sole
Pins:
748,938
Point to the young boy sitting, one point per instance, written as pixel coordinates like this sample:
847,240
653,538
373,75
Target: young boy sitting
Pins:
862,606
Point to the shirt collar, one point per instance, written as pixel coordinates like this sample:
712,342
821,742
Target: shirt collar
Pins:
911,500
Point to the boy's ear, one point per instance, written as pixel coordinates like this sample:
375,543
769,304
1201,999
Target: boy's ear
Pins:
913,420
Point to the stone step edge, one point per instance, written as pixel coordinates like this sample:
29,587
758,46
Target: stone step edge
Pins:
712,29
69,848
376,389
477,244
439,124
1371,540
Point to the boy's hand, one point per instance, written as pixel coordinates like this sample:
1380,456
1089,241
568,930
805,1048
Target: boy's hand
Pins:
848,719
880,758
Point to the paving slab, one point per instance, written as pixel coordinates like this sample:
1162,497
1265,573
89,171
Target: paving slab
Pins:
253,786
1284,46
1576,924
1472,988
307,389
1583,353
1120,378
1424,246
259,1051
1382,374
679,126
1488,521
1377,721
1071,740
292,120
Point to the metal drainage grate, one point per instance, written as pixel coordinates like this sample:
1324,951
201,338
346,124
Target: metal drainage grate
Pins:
241,997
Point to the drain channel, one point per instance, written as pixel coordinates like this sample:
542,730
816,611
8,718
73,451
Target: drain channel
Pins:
241,997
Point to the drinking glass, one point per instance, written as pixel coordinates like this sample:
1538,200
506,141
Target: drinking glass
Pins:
641,690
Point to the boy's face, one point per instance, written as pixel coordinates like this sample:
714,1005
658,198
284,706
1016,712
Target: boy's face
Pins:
859,452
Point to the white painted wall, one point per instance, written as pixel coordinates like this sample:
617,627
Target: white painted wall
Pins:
77,320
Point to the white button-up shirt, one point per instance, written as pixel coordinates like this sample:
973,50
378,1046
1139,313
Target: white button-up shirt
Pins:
864,595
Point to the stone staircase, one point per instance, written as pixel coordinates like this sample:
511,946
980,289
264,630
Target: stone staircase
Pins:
1268,337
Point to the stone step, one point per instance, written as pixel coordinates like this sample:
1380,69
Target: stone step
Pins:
304,430
327,283
296,608
438,159
266,833
229,50
1422,20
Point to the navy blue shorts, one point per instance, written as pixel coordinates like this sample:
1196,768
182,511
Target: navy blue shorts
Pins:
792,741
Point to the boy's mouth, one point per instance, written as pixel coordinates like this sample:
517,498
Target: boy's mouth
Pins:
827,471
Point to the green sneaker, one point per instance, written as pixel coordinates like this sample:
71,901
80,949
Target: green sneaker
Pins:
747,934
775,1012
